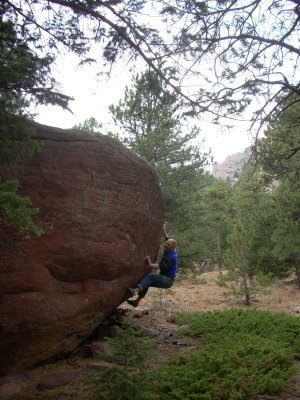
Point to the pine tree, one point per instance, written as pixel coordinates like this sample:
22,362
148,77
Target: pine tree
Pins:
154,128
278,151
249,258
216,198
127,379
237,261
286,234
279,157
89,125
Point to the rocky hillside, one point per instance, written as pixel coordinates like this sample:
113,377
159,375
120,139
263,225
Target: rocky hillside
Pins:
232,166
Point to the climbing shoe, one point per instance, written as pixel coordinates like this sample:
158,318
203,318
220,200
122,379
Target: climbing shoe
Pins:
133,292
133,303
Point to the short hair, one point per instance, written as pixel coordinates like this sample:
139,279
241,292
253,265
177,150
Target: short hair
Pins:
173,242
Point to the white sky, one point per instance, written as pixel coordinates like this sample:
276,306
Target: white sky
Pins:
93,95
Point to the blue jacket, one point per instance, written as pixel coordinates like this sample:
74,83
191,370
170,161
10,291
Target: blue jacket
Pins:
168,264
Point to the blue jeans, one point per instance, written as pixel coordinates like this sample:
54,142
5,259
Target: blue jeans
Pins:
154,280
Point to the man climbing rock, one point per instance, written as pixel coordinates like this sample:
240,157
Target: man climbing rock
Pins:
167,268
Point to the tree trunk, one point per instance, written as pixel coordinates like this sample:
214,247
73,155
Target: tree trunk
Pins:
297,271
219,250
246,290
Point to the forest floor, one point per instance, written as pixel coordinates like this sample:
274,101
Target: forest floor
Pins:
193,293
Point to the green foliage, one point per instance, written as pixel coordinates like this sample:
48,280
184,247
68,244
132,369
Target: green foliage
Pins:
16,139
131,348
184,215
240,368
156,130
286,236
265,230
255,356
127,378
278,151
278,155
237,261
19,70
217,212
89,125
224,41
17,209
116,383
13,144
25,77
286,233
250,260
240,286
278,327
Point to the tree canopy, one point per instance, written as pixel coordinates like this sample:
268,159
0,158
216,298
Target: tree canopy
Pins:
278,152
228,52
149,115
89,125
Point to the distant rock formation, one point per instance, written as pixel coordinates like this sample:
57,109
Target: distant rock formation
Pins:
232,166
101,210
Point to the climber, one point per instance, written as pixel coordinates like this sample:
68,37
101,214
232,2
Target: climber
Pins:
167,267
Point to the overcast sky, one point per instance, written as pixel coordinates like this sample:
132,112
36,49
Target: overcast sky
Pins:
93,95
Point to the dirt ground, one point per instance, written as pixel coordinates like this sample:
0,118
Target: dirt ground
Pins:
201,293
194,293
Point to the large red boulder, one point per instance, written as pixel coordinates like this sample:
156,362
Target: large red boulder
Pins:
101,211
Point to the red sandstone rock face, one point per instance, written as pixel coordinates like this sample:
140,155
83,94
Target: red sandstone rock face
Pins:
101,212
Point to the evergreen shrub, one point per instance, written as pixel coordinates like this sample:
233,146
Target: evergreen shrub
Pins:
215,325
17,209
244,353
127,378
241,354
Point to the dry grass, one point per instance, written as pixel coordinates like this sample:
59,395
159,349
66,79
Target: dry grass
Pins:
201,293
